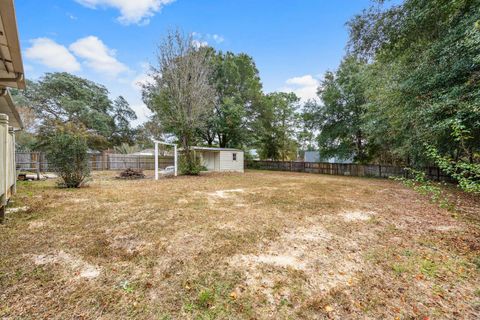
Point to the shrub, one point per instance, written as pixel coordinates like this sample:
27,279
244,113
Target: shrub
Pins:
66,151
190,165
418,181
466,174
465,171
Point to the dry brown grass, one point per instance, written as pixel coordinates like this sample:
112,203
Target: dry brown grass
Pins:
262,245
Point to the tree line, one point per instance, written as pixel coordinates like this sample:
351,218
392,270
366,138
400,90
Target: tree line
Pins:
407,92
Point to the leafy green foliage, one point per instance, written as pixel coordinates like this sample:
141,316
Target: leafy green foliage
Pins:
206,298
181,94
424,73
122,116
190,167
466,173
418,181
125,148
275,126
238,91
340,118
61,98
408,91
307,121
67,155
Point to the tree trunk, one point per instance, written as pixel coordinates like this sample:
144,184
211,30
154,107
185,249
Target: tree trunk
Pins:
222,140
210,142
2,214
361,155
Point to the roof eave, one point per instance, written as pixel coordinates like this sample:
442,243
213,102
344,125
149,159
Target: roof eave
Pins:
7,12
14,117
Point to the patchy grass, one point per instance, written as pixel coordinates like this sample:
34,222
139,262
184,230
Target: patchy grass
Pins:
263,245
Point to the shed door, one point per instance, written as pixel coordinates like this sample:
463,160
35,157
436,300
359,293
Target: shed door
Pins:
209,160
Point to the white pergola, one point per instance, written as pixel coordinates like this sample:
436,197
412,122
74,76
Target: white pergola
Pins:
175,157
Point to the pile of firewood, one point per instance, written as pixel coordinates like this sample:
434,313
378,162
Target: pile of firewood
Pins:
131,174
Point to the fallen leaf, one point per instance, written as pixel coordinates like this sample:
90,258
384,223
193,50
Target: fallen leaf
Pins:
328,308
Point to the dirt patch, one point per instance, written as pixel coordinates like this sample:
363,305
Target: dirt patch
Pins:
36,225
278,261
79,200
230,226
129,243
214,198
308,250
446,228
352,216
225,194
182,201
17,209
74,264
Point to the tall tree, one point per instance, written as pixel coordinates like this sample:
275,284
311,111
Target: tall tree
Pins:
181,94
238,88
59,99
426,61
122,117
308,124
275,126
340,118
26,139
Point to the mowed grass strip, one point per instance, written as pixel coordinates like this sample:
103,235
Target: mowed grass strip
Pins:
259,245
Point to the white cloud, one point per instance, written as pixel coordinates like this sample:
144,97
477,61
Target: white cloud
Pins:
199,43
143,113
217,38
139,80
131,11
142,78
72,17
305,87
53,55
202,40
98,56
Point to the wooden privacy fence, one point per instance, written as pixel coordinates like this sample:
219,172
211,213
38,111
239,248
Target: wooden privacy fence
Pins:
344,169
37,162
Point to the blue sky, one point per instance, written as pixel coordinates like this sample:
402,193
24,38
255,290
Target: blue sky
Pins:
293,42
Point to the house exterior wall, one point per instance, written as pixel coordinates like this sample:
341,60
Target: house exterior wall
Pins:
314,156
227,164
7,161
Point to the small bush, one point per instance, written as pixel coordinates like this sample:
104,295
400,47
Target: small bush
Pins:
66,151
422,185
465,170
190,165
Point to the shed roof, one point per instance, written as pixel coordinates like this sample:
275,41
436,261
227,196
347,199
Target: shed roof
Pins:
11,65
144,152
215,149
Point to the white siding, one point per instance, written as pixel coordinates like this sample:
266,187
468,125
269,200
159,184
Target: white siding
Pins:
7,161
208,160
227,163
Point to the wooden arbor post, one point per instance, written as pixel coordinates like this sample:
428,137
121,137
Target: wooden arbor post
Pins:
3,165
175,157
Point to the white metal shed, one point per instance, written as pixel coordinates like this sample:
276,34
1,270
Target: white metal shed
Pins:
221,159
